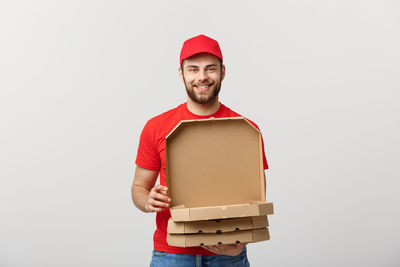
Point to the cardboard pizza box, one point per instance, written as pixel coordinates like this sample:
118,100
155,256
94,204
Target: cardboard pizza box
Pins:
192,240
215,170
217,226
251,208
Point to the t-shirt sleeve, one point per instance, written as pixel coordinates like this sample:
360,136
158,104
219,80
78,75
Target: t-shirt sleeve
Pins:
265,163
147,155
263,152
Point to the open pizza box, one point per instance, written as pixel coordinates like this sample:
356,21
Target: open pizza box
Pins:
215,170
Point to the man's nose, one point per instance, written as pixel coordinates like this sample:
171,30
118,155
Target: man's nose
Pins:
202,75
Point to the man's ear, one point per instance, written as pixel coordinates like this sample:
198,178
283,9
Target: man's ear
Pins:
223,72
181,74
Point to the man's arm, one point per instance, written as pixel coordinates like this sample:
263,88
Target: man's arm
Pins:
145,195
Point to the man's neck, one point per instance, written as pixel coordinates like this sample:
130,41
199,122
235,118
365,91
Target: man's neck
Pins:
203,109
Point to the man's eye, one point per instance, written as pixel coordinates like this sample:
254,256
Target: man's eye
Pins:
211,69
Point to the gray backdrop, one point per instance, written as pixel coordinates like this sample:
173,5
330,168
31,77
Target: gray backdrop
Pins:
79,79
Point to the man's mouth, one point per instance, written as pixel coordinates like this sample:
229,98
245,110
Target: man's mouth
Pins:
202,87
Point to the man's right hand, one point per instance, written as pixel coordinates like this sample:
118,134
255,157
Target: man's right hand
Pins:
147,196
157,199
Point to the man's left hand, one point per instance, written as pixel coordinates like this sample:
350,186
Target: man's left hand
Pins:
230,250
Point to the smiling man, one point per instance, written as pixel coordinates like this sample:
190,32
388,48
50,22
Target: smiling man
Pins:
202,76
202,71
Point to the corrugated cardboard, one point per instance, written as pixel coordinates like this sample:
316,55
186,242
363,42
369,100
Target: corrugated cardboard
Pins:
215,170
217,226
182,214
191,240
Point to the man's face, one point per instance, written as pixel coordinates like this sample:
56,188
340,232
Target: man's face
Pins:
202,75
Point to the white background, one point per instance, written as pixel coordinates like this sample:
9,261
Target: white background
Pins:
79,79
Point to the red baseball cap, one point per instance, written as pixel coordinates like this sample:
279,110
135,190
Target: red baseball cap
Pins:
200,44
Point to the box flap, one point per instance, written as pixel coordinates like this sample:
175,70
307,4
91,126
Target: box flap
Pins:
180,213
260,235
214,162
260,222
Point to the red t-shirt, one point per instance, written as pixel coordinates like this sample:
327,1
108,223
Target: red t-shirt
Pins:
151,155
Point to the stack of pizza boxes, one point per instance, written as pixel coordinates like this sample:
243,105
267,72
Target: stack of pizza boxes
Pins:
216,183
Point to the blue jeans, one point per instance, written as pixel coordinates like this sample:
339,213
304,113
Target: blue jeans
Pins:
164,259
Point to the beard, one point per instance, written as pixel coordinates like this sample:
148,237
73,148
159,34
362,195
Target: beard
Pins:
206,98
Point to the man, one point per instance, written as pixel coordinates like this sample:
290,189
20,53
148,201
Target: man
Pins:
201,70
